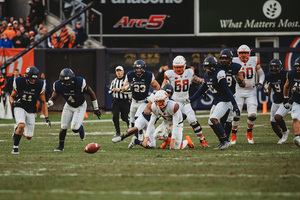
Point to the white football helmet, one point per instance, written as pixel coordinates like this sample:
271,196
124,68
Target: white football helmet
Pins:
161,99
179,64
244,53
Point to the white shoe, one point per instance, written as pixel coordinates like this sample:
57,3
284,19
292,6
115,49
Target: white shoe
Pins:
132,144
116,139
284,138
42,116
233,142
297,141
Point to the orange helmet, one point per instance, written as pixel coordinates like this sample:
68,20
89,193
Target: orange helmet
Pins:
179,65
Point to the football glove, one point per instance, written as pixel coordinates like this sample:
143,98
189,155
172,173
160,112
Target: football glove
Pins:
236,111
266,87
286,102
98,113
49,103
258,86
48,122
16,103
239,81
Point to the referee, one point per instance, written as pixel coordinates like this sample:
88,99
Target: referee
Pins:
121,102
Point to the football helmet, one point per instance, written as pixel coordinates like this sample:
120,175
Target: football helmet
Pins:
226,54
179,64
168,88
244,53
275,66
161,99
139,64
66,76
210,64
31,74
297,65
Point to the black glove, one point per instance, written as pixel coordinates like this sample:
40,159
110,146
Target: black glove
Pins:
239,81
258,86
286,102
98,113
48,122
236,110
16,103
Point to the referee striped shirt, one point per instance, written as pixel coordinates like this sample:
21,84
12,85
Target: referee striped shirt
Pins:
118,83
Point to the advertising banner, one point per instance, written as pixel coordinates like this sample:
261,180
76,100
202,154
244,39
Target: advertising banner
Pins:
256,17
22,63
144,17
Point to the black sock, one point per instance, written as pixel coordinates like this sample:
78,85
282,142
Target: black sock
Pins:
228,127
219,130
249,130
62,136
17,139
223,139
276,129
282,125
234,131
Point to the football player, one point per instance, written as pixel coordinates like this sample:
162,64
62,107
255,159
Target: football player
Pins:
275,81
26,91
293,81
215,80
247,94
181,79
72,89
173,121
233,76
139,81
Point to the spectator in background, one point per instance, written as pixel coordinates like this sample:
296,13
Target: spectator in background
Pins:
5,42
31,37
19,41
58,42
37,13
28,27
9,31
81,35
11,20
71,41
36,31
4,24
161,72
1,28
10,80
21,21
43,44
16,25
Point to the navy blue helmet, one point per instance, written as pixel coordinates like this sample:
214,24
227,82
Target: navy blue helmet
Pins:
275,66
31,74
139,64
168,88
227,54
66,76
210,64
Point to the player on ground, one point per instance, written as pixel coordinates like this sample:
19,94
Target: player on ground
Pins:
72,89
215,80
247,94
181,79
26,91
275,81
139,81
293,80
173,121
233,76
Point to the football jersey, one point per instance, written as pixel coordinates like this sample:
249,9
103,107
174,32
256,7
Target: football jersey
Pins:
277,82
28,93
168,112
249,70
181,84
213,83
73,94
141,84
294,79
231,72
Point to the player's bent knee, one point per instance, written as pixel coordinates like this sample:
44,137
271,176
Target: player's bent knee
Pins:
252,117
278,117
21,126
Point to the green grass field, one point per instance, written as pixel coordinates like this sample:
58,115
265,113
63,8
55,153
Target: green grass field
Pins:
264,170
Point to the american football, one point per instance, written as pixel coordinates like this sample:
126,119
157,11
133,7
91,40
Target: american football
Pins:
92,148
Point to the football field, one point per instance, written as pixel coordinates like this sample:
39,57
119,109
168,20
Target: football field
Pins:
264,170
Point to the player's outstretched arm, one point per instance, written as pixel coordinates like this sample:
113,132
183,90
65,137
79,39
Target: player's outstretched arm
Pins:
52,99
197,79
92,94
45,108
155,84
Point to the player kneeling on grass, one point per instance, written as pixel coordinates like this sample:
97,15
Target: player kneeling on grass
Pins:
72,89
171,113
26,91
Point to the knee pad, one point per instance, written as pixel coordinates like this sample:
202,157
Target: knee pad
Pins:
196,127
251,118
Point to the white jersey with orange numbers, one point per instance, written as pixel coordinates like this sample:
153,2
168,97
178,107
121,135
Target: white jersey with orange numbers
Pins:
181,84
249,71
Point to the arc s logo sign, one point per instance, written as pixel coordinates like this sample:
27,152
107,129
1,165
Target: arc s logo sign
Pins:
153,22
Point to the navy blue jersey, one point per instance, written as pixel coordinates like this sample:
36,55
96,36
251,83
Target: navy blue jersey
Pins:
141,85
73,94
28,93
213,82
277,82
231,72
294,79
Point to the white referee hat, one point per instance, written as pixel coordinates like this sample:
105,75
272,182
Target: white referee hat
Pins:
119,68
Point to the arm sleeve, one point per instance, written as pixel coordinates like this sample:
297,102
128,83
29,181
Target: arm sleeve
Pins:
261,75
151,125
198,94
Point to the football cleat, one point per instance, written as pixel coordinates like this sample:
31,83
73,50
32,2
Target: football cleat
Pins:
59,148
165,143
116,139
117,134
284,138
223,146
204,143
297,141
233,138
82,136
190,142
249,137
132,143
15,151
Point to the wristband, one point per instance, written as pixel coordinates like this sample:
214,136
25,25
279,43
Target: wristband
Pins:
95,104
